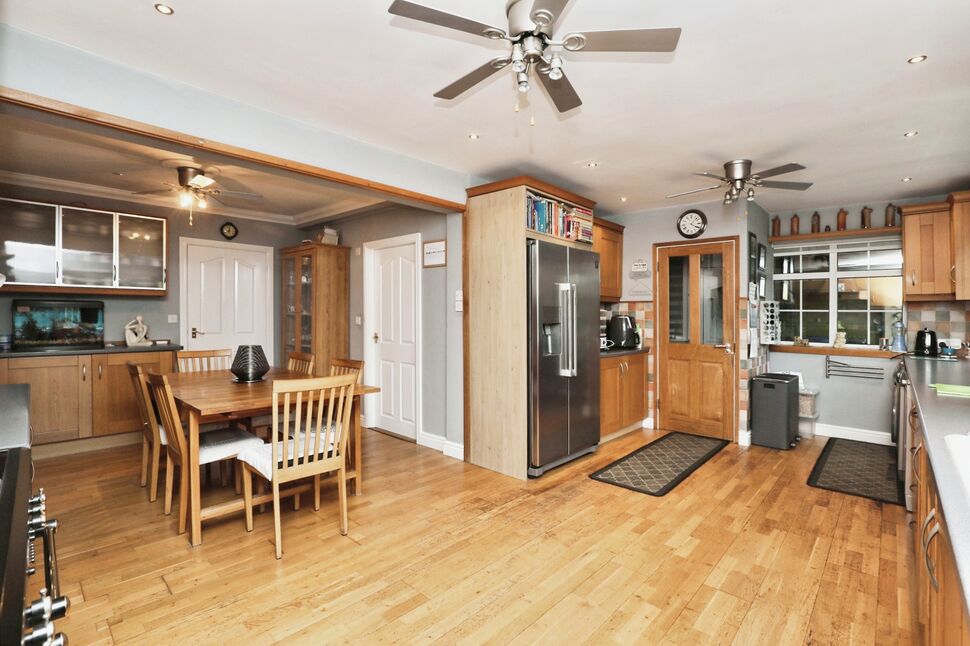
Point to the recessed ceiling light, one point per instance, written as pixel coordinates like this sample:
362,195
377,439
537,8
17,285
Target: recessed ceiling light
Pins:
473,136
916,59
164,9
623,199
591,164
911,133
907,179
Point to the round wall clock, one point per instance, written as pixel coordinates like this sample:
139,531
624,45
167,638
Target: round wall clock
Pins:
229,231
691,223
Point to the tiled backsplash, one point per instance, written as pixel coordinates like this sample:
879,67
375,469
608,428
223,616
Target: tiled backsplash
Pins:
949,319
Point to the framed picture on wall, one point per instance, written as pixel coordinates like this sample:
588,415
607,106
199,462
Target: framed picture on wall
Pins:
762,285
752,257
762,257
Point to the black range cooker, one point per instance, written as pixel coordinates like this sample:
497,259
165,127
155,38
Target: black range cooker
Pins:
24,524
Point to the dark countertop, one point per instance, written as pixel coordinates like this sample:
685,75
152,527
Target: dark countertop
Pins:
108,349
606,354
14,416
942,416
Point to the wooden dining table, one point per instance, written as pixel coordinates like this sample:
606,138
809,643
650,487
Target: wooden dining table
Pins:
203,396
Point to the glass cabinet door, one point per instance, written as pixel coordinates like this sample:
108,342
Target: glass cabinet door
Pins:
290,305
306,303
141,252
87,248
28,242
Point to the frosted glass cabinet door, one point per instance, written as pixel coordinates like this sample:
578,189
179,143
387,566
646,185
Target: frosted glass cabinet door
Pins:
87,248
28,239
141,252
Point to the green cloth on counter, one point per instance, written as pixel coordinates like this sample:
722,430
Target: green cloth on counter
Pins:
952,390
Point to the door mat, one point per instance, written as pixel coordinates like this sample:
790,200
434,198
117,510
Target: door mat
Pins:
663,464
858,469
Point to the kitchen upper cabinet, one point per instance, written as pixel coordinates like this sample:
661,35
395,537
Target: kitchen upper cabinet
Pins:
928,268
608,243
114,409
623,392
47,247
60,395
960,228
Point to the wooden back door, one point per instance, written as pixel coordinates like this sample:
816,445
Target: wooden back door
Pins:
696,337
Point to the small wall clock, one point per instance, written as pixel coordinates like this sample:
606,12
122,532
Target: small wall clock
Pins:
691,223
229,231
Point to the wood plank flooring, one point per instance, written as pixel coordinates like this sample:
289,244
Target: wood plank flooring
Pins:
742,552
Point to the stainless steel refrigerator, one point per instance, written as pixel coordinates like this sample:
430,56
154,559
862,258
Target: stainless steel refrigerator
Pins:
564,355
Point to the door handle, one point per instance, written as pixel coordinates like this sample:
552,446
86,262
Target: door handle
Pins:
84,372
913,278
930,565
953,274
196,333
728,349
376,338
100,370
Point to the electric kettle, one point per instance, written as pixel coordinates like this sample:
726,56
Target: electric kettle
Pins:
926,343
621,331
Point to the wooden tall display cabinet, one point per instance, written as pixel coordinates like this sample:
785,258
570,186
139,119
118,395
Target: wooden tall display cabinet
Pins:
315,309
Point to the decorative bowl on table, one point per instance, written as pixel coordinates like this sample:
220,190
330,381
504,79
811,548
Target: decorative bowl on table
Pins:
249,364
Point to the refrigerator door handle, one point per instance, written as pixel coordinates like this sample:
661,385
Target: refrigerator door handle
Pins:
573,324
566,318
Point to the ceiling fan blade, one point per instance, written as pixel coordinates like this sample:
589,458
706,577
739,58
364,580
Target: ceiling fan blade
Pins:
239,195
561,92
632,40
158,192
712,176
696,190
471,79
551,8
414,11
778,170
791,186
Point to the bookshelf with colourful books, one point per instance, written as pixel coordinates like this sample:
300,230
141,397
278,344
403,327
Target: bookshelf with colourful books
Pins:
559,219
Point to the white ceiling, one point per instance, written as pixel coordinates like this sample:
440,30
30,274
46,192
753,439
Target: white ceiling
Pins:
825,84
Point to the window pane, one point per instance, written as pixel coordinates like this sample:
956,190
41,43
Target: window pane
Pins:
853,261
786,265
712,298
27,242
87,247
853,294
886,293
815,294
854,324
881,325
678,298
815,326
886,259
789,294
815,262
789,325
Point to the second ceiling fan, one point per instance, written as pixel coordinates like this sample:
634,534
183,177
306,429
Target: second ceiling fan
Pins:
738,176
533,50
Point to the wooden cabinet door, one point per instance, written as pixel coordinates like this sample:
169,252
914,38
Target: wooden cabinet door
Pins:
949,617
611,396
960,230
927,258
634,381
60,395
114,409
608,243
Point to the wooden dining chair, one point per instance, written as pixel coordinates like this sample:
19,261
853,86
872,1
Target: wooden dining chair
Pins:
301,362
203,360
154,437
347,367
318,411
214,446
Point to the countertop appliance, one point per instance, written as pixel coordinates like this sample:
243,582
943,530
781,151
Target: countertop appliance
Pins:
622,332
563,355
926,343
774,410
899,429
22,521
57,325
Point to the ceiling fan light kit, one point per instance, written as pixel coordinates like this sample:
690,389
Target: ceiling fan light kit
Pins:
738,177
530,33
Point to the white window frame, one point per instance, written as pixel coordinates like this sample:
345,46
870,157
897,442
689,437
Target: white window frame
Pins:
833,275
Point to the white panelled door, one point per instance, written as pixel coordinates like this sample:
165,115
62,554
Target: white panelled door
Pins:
226,295
395,335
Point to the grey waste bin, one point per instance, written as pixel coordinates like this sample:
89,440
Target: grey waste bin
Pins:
774,410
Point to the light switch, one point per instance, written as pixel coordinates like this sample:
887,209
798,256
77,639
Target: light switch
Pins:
173,318
459,300
357,320
356,251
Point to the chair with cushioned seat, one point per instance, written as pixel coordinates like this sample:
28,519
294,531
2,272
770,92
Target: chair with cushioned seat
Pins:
311,423
214,446
154,439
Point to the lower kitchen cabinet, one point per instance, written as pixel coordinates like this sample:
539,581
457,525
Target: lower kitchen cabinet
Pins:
623,392
114,409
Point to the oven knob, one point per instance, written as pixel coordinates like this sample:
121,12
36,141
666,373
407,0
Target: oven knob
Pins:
40,498
59,607
31,571
59,640
39,636
38,507
38,611
35,524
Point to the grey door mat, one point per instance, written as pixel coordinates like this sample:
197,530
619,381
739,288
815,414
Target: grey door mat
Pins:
663,464
858,469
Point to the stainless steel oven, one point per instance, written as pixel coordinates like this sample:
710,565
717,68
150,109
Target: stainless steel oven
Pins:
900,433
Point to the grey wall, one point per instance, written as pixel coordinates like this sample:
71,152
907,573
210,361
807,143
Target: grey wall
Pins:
843,401
439,319
119,310
758,224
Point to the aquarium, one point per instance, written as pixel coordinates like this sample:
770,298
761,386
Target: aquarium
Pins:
57,325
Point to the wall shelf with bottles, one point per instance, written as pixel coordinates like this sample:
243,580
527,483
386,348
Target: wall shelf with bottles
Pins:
46,248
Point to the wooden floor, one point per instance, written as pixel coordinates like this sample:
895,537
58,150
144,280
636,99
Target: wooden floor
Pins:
741,552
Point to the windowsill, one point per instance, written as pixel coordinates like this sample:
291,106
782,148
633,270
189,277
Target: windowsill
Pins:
872,353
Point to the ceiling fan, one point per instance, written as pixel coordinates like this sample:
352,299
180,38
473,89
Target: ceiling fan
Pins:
737,175
531,45
195,188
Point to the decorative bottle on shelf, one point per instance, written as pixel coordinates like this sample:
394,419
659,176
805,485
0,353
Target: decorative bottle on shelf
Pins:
890,215
776,226
794,224
841,220
816,222
866,217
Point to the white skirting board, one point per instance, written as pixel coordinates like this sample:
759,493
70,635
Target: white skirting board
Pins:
849,433
431,441
454,450
744,438
647,423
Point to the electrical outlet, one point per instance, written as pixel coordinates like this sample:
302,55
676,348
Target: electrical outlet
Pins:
173,318
357,320
356,251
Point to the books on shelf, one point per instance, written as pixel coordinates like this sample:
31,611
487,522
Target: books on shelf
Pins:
558,219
